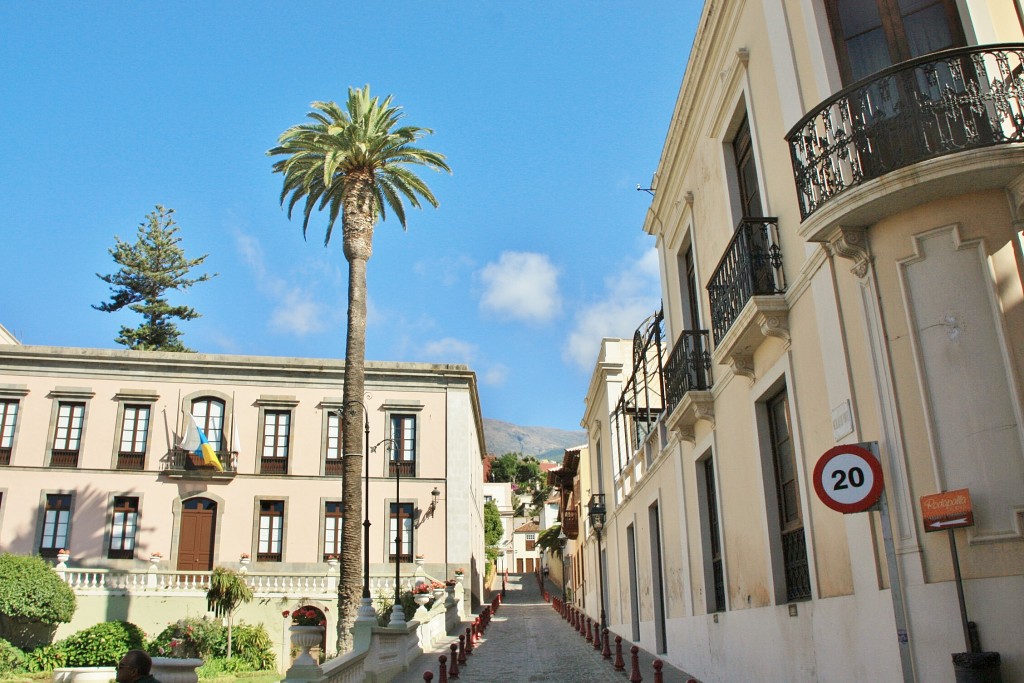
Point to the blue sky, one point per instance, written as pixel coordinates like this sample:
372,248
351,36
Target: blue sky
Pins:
550,114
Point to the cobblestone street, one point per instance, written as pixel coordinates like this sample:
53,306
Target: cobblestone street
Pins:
528,642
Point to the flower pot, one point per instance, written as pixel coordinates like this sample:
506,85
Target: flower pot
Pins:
155,559
439,593
244,560
63,557
306,638
421,599
80,674
173,670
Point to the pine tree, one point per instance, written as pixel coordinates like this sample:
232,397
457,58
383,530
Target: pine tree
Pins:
149,268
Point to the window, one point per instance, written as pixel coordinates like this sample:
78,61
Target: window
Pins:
531,541
131,453
332,463
870,35
691,302
403,455
713,545
67,438
276,424
209,415
400,537
746,171
271,531
787,492
123,527
332,529
56,523
8,420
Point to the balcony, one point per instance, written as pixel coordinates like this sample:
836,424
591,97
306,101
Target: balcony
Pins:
64,458
130,461
688,383
403,468
5,456
946,103
333,467
571,523
746,291
180,464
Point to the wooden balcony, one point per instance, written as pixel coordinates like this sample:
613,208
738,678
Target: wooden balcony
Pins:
131,461
64,458
571,523
5,456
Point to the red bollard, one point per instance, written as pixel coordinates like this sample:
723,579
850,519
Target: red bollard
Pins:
462,650
469,641
619,665
634,675
443,677
589,633
453,672
427,676
657,671
606,652
597,636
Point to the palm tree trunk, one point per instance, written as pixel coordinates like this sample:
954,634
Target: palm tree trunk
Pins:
358,222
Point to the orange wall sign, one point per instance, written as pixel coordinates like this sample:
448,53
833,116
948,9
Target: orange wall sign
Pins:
947,510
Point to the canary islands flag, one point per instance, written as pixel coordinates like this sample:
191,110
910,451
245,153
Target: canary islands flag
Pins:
195,441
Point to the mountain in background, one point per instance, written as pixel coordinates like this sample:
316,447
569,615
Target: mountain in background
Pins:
544,443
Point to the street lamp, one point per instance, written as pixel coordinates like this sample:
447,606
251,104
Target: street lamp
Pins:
366,611
596,512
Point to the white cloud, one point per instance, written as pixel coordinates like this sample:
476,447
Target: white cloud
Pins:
521,286
295,310
495,376
630,297
450,350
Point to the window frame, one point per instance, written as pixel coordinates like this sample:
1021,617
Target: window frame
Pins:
133,459
125,508
332,466
395,517
893,30
326,515
8,427
263,512
406,466
45,508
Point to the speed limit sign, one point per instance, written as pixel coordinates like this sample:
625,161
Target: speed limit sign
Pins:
848,479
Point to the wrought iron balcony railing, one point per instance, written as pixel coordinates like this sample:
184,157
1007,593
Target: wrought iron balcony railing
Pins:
180,461
688,367
943,103
751,266
404,468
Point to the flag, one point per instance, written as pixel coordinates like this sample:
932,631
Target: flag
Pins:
195,441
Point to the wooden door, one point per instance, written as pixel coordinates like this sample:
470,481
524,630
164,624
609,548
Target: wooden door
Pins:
195,539
519,565
529,565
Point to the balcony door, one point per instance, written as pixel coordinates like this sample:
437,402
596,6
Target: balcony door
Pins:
196,534
870,35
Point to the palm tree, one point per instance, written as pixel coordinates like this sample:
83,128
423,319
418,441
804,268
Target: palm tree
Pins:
228,591
354,162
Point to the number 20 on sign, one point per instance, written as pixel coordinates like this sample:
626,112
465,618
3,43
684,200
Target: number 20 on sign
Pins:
848,479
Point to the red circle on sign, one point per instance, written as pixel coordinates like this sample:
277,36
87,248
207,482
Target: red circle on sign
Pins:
863,499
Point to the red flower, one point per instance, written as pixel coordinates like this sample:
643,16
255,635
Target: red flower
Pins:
286,614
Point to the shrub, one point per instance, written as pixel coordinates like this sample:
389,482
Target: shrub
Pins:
45,658
11,658
31,591
219,667
191,637
101,645
254,646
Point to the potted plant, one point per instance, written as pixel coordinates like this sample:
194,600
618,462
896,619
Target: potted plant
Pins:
63,555
421,593
156,556
332,561
458,573
438,589
307,631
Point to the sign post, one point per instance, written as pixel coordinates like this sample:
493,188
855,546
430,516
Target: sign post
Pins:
947,511
848,479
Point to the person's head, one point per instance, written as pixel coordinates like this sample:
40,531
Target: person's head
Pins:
134,665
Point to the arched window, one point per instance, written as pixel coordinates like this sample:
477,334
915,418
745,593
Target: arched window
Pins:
209,415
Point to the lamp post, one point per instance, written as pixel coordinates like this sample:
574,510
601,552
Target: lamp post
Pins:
366,611
596,512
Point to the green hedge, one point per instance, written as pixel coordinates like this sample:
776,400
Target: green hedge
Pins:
208,639
11,658
31,591
102,645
